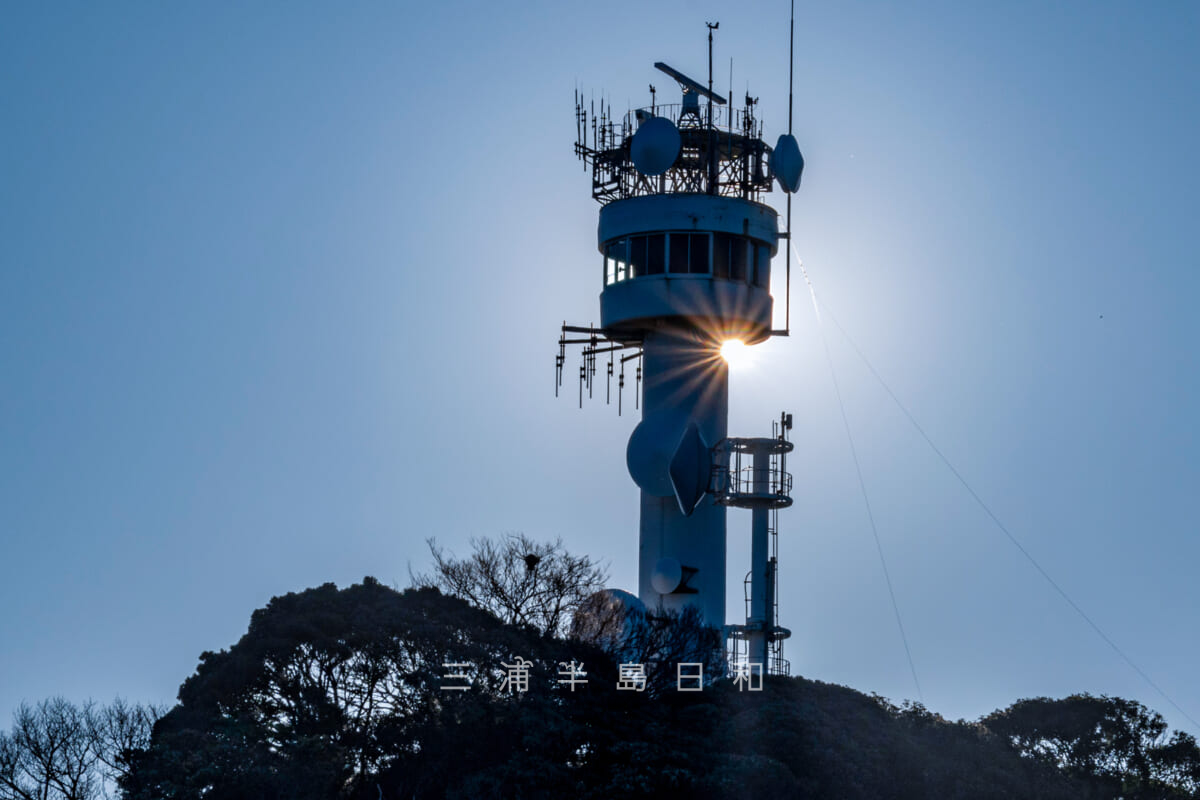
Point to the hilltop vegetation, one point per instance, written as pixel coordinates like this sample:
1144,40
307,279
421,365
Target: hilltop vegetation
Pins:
344,694
338,693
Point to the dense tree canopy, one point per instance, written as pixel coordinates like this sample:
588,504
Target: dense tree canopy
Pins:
339,694
1115,743
342,694
367,692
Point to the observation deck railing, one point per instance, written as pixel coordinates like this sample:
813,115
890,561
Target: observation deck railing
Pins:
741,487
724,118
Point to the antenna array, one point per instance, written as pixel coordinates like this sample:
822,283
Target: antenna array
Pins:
723,154
596,343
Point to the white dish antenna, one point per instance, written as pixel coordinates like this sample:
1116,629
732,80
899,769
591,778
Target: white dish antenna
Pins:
786,163
668,575
651,449
655,146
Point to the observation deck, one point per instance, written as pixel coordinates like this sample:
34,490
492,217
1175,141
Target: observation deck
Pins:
693,259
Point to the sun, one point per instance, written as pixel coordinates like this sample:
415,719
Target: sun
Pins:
735,352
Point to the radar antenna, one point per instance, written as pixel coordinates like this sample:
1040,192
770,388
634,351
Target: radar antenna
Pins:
689,85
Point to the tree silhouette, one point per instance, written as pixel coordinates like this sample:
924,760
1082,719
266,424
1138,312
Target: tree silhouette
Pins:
343,694
1118,742
57,750
521,581
339,694
657,641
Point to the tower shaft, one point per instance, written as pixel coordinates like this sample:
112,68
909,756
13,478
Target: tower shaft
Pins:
686,381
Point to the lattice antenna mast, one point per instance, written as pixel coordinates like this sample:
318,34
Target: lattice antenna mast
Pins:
752,473
721,151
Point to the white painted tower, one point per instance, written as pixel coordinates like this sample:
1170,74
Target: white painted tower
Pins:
687,246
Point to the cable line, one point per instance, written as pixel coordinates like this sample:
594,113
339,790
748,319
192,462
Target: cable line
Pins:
862,485
991,515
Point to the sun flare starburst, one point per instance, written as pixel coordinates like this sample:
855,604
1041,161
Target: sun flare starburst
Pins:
736,353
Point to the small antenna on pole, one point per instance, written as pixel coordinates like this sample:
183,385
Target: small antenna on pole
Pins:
620,387
730,126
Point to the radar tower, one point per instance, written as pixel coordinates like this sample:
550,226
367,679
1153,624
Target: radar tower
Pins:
686,246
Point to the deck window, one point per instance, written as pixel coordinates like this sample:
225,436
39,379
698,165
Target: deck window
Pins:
616,261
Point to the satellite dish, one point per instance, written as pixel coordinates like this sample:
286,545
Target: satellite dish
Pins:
608,618
655,146
651,448
667,576
786,163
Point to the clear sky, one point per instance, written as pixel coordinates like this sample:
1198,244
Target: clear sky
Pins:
280,288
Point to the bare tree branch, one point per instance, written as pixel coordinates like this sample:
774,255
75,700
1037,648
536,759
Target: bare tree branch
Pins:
57,750
519,580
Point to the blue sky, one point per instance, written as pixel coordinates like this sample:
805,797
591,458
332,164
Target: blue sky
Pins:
280,289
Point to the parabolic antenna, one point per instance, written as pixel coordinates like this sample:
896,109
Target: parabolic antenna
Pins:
786,163
651,448
655,146
688,84
667,576
607,618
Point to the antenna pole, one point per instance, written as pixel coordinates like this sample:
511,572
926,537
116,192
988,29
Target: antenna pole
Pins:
787,314
712,149
730,120
787,306
791,64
